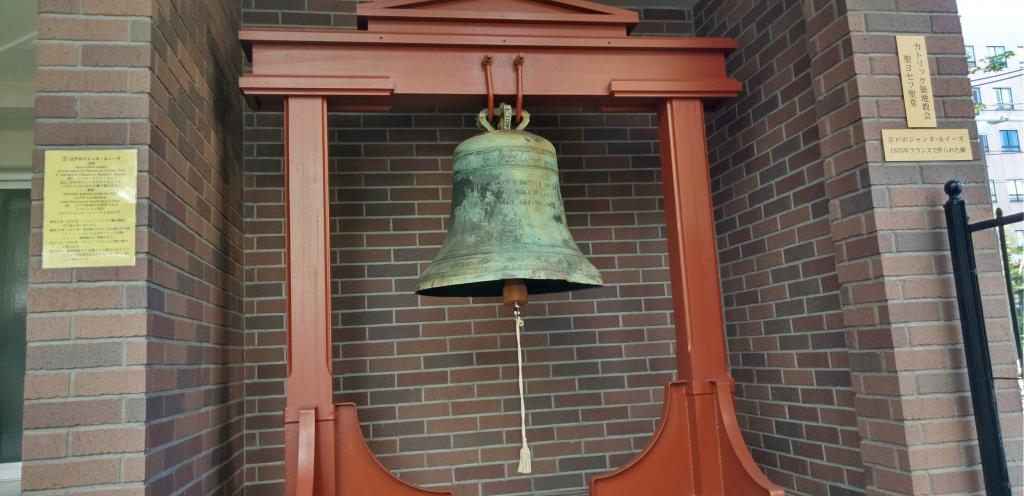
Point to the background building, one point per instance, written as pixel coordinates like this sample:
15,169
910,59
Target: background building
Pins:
167,377
1001,97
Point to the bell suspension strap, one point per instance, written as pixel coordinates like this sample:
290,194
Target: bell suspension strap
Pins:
487,62
518,64
525,464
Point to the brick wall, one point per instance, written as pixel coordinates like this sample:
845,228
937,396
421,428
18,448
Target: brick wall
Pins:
787,346
195,403
898,300
885,409
870,393
435,378
840,318
134,372
85,407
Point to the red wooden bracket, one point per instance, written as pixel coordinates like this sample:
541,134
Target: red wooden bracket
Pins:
359,472
697,449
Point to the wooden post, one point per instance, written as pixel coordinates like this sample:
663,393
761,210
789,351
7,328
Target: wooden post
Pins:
693,263
309,400
698,447
697,306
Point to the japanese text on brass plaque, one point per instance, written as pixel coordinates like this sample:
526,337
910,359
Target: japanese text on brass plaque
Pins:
89,208
917,81
926,145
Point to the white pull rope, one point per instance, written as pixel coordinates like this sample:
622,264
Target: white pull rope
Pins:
524,452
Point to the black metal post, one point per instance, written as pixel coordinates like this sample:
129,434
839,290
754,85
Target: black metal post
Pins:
979,363
1009,286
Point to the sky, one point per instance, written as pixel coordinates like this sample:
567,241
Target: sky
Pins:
993,19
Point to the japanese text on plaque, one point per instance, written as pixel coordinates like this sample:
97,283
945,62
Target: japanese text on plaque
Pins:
912,145
89,208
917,81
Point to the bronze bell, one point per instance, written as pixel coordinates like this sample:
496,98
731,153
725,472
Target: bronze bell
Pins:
507,220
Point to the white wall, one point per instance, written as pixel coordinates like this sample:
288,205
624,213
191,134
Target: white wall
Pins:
16,148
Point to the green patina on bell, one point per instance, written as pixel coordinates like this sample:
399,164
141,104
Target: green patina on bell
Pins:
507,221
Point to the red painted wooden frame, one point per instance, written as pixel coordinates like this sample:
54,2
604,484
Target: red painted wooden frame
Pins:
428,52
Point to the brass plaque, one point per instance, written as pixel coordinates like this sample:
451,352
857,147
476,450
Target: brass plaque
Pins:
89,208
917,81
926,145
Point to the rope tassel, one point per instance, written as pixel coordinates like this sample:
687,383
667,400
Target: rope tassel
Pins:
525,466
525,457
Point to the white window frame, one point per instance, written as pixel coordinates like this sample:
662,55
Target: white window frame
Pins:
1015,189
10,472
15,179
995,50
1001,103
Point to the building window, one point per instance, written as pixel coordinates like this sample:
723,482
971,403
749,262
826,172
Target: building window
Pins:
1009,140
984,142
14,234
995,51
971,61
1016,189
992,196
1004,99
976,95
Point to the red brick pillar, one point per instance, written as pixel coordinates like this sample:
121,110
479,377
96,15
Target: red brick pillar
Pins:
85,384
898,300
134,373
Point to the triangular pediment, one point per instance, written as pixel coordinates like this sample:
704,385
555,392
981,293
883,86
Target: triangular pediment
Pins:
578,12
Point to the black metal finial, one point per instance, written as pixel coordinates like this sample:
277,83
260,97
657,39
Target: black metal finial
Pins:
953,188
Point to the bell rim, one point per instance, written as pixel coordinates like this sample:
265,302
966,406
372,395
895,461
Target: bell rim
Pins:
467,290
487,267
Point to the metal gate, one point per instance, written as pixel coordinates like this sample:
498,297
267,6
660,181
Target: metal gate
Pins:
972,323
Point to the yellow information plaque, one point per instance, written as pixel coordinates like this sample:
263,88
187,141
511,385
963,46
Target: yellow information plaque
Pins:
89,208
917,81
926,145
